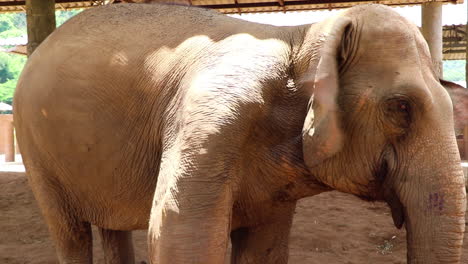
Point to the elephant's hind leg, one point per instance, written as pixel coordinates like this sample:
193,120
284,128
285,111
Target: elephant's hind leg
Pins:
73,242
72,237
117,245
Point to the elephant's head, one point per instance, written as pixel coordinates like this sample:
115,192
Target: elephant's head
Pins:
380,126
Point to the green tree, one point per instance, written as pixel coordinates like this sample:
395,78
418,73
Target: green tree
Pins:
6,22
14,25
10,69
7,89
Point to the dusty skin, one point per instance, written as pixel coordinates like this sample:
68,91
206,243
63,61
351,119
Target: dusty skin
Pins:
333,228
235,122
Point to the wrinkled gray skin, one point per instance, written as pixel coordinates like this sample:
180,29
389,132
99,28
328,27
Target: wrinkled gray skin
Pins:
202,127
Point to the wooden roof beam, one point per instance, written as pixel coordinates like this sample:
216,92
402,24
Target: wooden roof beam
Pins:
281,2
22,3
297,3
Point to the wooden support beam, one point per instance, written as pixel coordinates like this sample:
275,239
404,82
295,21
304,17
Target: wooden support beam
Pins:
238,9
456,39
460,46
10,143
281,2
40,18
432,32
453,51
7,137
22,2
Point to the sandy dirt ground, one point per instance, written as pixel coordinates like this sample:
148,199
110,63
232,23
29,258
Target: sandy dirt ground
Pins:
328,228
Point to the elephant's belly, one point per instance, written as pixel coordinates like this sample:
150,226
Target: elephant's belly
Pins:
111,191
117,205
105,161
124,217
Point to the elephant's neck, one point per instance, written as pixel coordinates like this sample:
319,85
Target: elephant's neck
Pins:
306,51
299,181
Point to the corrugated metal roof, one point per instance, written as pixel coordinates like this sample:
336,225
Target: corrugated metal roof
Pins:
232,6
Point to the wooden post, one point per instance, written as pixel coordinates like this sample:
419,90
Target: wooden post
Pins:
432,32
7,141
40,17
10,142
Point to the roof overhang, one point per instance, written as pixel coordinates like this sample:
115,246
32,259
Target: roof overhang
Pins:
232,6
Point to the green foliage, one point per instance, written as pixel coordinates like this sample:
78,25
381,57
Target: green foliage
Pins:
62,16
454,70
7,89
14,25
10,69
10,66
11,33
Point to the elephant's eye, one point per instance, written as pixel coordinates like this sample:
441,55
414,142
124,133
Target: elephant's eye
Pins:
397,114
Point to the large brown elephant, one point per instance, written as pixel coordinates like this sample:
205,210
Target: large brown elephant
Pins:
205,128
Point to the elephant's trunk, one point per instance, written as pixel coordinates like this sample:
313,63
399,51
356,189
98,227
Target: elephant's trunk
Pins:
434,202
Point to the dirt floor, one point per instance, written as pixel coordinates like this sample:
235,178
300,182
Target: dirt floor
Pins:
328,228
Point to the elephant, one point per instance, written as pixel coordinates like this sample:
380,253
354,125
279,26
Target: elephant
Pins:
459,96
207,129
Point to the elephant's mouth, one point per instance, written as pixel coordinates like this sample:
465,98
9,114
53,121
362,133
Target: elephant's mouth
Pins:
396,207
384,175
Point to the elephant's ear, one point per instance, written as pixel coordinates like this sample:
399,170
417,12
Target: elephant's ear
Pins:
322,134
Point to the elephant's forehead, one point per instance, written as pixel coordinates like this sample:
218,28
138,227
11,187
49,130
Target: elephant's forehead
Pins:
398,49
382,31
391,44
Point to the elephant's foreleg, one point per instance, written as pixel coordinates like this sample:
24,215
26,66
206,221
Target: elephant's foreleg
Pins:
117,246
191,213
265,243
